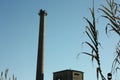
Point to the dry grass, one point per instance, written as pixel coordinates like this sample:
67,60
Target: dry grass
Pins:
112,13
92,34
4,76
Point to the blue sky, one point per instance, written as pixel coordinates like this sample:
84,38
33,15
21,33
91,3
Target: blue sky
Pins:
19,27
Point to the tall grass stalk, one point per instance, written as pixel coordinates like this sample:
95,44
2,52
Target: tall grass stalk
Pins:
92,34
4,76
112,13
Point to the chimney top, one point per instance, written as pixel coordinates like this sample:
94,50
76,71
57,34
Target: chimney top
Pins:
42,12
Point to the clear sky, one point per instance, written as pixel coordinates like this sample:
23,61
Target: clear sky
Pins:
19,27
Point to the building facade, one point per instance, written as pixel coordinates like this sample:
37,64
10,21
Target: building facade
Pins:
68,75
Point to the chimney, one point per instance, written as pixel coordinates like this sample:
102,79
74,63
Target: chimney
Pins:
40,57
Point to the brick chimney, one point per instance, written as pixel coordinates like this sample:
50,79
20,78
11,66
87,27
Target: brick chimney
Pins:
40,57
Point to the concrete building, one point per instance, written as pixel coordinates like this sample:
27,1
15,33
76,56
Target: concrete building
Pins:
68,75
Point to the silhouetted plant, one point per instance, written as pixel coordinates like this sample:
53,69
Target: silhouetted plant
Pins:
4,76
92,34
116,62
112,13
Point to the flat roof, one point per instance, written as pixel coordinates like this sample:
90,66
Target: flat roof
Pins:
68,70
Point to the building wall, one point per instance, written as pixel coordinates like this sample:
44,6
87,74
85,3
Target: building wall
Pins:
77,76
68,75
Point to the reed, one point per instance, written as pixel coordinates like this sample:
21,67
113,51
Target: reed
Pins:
112,14
4,76
92,33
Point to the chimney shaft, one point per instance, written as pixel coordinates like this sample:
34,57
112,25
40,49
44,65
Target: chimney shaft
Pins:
40,57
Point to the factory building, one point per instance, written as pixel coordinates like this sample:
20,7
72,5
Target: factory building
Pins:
68,75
